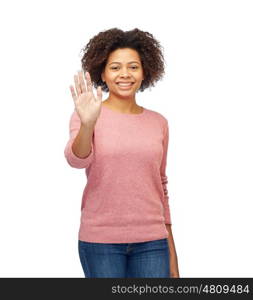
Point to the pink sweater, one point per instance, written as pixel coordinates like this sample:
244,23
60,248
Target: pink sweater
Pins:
125,199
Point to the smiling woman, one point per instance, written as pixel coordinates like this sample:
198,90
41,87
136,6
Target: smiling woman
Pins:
123,77
115,57
125,228
98,49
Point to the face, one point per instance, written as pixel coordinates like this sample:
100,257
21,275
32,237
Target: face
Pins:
123,72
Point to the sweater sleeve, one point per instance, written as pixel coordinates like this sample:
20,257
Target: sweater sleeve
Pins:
164,178
72,159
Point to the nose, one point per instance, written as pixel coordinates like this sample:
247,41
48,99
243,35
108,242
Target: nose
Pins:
124,73
124,76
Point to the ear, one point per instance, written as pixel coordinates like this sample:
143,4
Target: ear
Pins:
102,76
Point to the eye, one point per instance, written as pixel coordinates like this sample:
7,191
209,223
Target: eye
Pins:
133,67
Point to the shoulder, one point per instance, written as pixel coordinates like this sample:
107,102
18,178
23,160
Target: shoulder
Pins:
158,116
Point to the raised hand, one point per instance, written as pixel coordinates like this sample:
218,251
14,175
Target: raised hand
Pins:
87,106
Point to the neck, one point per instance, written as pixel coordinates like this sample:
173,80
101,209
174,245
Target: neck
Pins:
122,104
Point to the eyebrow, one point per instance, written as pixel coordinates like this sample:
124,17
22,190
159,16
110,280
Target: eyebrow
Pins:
116,62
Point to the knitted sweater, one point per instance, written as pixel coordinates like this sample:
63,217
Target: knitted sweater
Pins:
125,199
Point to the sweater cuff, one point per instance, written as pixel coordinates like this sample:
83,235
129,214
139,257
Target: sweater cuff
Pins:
75,161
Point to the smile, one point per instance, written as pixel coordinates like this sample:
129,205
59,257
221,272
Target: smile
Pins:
125,85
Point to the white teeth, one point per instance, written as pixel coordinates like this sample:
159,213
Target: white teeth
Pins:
125,84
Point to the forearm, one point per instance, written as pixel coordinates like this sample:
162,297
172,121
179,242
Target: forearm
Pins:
174,270
81,146
171,243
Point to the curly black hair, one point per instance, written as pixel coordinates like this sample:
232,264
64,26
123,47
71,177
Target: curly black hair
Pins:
98,49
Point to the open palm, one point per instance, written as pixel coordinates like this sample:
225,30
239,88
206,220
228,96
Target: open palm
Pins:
86,104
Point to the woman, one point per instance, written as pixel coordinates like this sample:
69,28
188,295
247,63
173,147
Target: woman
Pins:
125,228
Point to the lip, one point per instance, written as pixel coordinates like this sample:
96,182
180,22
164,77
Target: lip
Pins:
124,82
125,87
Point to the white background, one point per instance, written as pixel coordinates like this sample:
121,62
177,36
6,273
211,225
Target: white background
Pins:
206,95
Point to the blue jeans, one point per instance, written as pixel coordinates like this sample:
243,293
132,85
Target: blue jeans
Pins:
134,260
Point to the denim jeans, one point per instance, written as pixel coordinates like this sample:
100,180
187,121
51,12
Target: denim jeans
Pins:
134,260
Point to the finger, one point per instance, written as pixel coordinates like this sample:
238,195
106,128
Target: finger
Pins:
81,81
88,81
99,93
78,90
72,90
